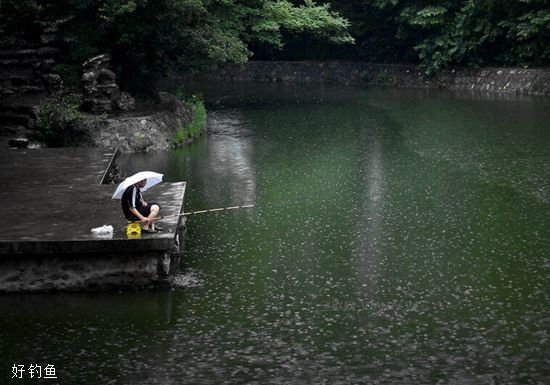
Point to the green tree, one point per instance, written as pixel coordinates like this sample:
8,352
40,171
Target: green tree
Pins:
146,38
442,33
525,27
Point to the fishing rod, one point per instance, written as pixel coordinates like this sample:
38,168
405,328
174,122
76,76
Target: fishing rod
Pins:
207,211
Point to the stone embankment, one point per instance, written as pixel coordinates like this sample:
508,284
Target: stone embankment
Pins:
502,80
114,122
110,118
139,131
27,74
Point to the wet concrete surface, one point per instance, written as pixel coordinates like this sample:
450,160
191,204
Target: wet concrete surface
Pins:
52,199
52,166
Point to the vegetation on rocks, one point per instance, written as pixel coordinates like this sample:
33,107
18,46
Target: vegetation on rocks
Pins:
196,126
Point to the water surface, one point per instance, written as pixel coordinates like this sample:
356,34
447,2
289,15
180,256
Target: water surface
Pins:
397,237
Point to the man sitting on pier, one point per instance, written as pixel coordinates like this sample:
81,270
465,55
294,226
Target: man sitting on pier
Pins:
136,209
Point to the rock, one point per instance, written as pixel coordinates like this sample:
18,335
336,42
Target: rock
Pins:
53,82
125,102
97,62
101,93
18,143
88,77
106,76
48,38
99,85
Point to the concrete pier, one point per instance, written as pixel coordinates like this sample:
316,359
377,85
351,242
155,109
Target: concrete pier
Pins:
52,198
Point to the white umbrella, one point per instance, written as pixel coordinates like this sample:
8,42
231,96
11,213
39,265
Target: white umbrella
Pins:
152,178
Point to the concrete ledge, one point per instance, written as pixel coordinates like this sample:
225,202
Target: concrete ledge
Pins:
127,246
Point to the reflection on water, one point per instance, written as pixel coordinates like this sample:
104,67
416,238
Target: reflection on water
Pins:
398,237
228,161
369,226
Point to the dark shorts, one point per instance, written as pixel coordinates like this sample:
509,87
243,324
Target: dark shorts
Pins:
143,210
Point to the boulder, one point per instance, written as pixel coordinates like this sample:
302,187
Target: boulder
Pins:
101,93
125,102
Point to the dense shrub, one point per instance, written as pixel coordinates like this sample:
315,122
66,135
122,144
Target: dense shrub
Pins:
57,121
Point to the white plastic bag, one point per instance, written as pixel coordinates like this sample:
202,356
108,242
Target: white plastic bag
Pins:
104,231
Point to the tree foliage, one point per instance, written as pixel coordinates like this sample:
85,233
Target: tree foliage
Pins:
147,37
441,33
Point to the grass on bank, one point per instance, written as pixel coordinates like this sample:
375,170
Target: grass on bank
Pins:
196,126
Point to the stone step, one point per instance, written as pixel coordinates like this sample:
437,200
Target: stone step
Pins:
18,111
16,80
33,64
14,130
23,90
19,108
29,53
14,119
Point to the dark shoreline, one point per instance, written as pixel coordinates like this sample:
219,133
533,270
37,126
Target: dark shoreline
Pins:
514,81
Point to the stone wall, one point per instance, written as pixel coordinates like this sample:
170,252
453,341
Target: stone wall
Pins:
75,272
503,80
39,273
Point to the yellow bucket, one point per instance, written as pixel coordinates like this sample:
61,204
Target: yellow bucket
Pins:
133,229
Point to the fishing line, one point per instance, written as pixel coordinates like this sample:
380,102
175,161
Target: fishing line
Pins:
208,211
217,209
275,203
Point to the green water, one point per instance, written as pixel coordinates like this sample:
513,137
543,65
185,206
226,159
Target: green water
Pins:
398,237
